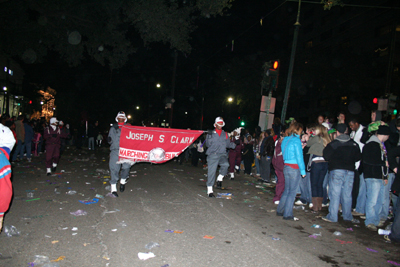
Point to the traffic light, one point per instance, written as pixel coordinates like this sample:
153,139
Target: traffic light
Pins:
375,100
270,76
392,104
242,123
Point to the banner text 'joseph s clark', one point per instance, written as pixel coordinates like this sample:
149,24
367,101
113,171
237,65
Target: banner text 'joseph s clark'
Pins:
156,145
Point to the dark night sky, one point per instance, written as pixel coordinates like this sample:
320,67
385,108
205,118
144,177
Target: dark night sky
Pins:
93,90
101,93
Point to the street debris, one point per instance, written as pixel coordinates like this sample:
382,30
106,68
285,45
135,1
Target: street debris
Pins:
11,230
87,202
79,213
224,195
208,237
145,256
343,242
152,245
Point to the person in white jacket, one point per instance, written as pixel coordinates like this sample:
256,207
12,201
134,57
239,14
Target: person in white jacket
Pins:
7,139
356,134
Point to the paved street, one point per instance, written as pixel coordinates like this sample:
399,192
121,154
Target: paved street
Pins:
245,229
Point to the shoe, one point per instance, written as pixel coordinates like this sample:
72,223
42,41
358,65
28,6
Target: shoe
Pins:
326,219
274,181
363,217
49,173
355,213
372,227
211,195
219,185
387,238
276,202
258,174
325,205
299,203
115,193
291,219
383,232
29,160
381,223
121,188
310,205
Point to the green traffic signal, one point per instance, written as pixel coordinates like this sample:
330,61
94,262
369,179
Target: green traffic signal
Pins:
242,123
395,112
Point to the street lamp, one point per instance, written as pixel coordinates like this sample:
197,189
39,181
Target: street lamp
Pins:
137,107
158,85
4,88
129,116
230,99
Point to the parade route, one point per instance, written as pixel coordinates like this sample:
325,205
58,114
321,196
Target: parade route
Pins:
167,204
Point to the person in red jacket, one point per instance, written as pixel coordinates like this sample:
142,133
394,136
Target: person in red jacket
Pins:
52,134
7,143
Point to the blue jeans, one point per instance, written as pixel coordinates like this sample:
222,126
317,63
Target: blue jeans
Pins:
18,151
395,231
373,205
362,195
325,189
91,143
257,162
292,179
340,188
28,146
305,189
265,168
317,174
386,197
394,201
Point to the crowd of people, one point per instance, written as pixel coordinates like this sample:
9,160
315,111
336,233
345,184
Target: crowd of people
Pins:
342,165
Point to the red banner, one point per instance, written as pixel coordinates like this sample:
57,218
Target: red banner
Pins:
156,145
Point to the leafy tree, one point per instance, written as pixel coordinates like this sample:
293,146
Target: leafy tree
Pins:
104,30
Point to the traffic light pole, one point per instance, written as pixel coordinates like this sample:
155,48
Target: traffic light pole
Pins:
290,72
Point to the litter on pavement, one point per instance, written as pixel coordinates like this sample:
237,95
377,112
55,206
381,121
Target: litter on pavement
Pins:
145,256
79,213
87,202
152,245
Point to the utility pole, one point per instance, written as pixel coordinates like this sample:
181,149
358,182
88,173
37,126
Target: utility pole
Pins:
389,73
290,72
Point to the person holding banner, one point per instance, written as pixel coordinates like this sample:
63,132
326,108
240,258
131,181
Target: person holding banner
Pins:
217,142
113,140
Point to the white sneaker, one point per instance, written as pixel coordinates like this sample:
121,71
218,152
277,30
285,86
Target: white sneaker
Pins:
274,181
276,202
258,174
325,205
299,203
310,205
383,232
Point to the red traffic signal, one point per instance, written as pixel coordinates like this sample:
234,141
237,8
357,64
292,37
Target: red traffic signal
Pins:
375,100
30,101
276,65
